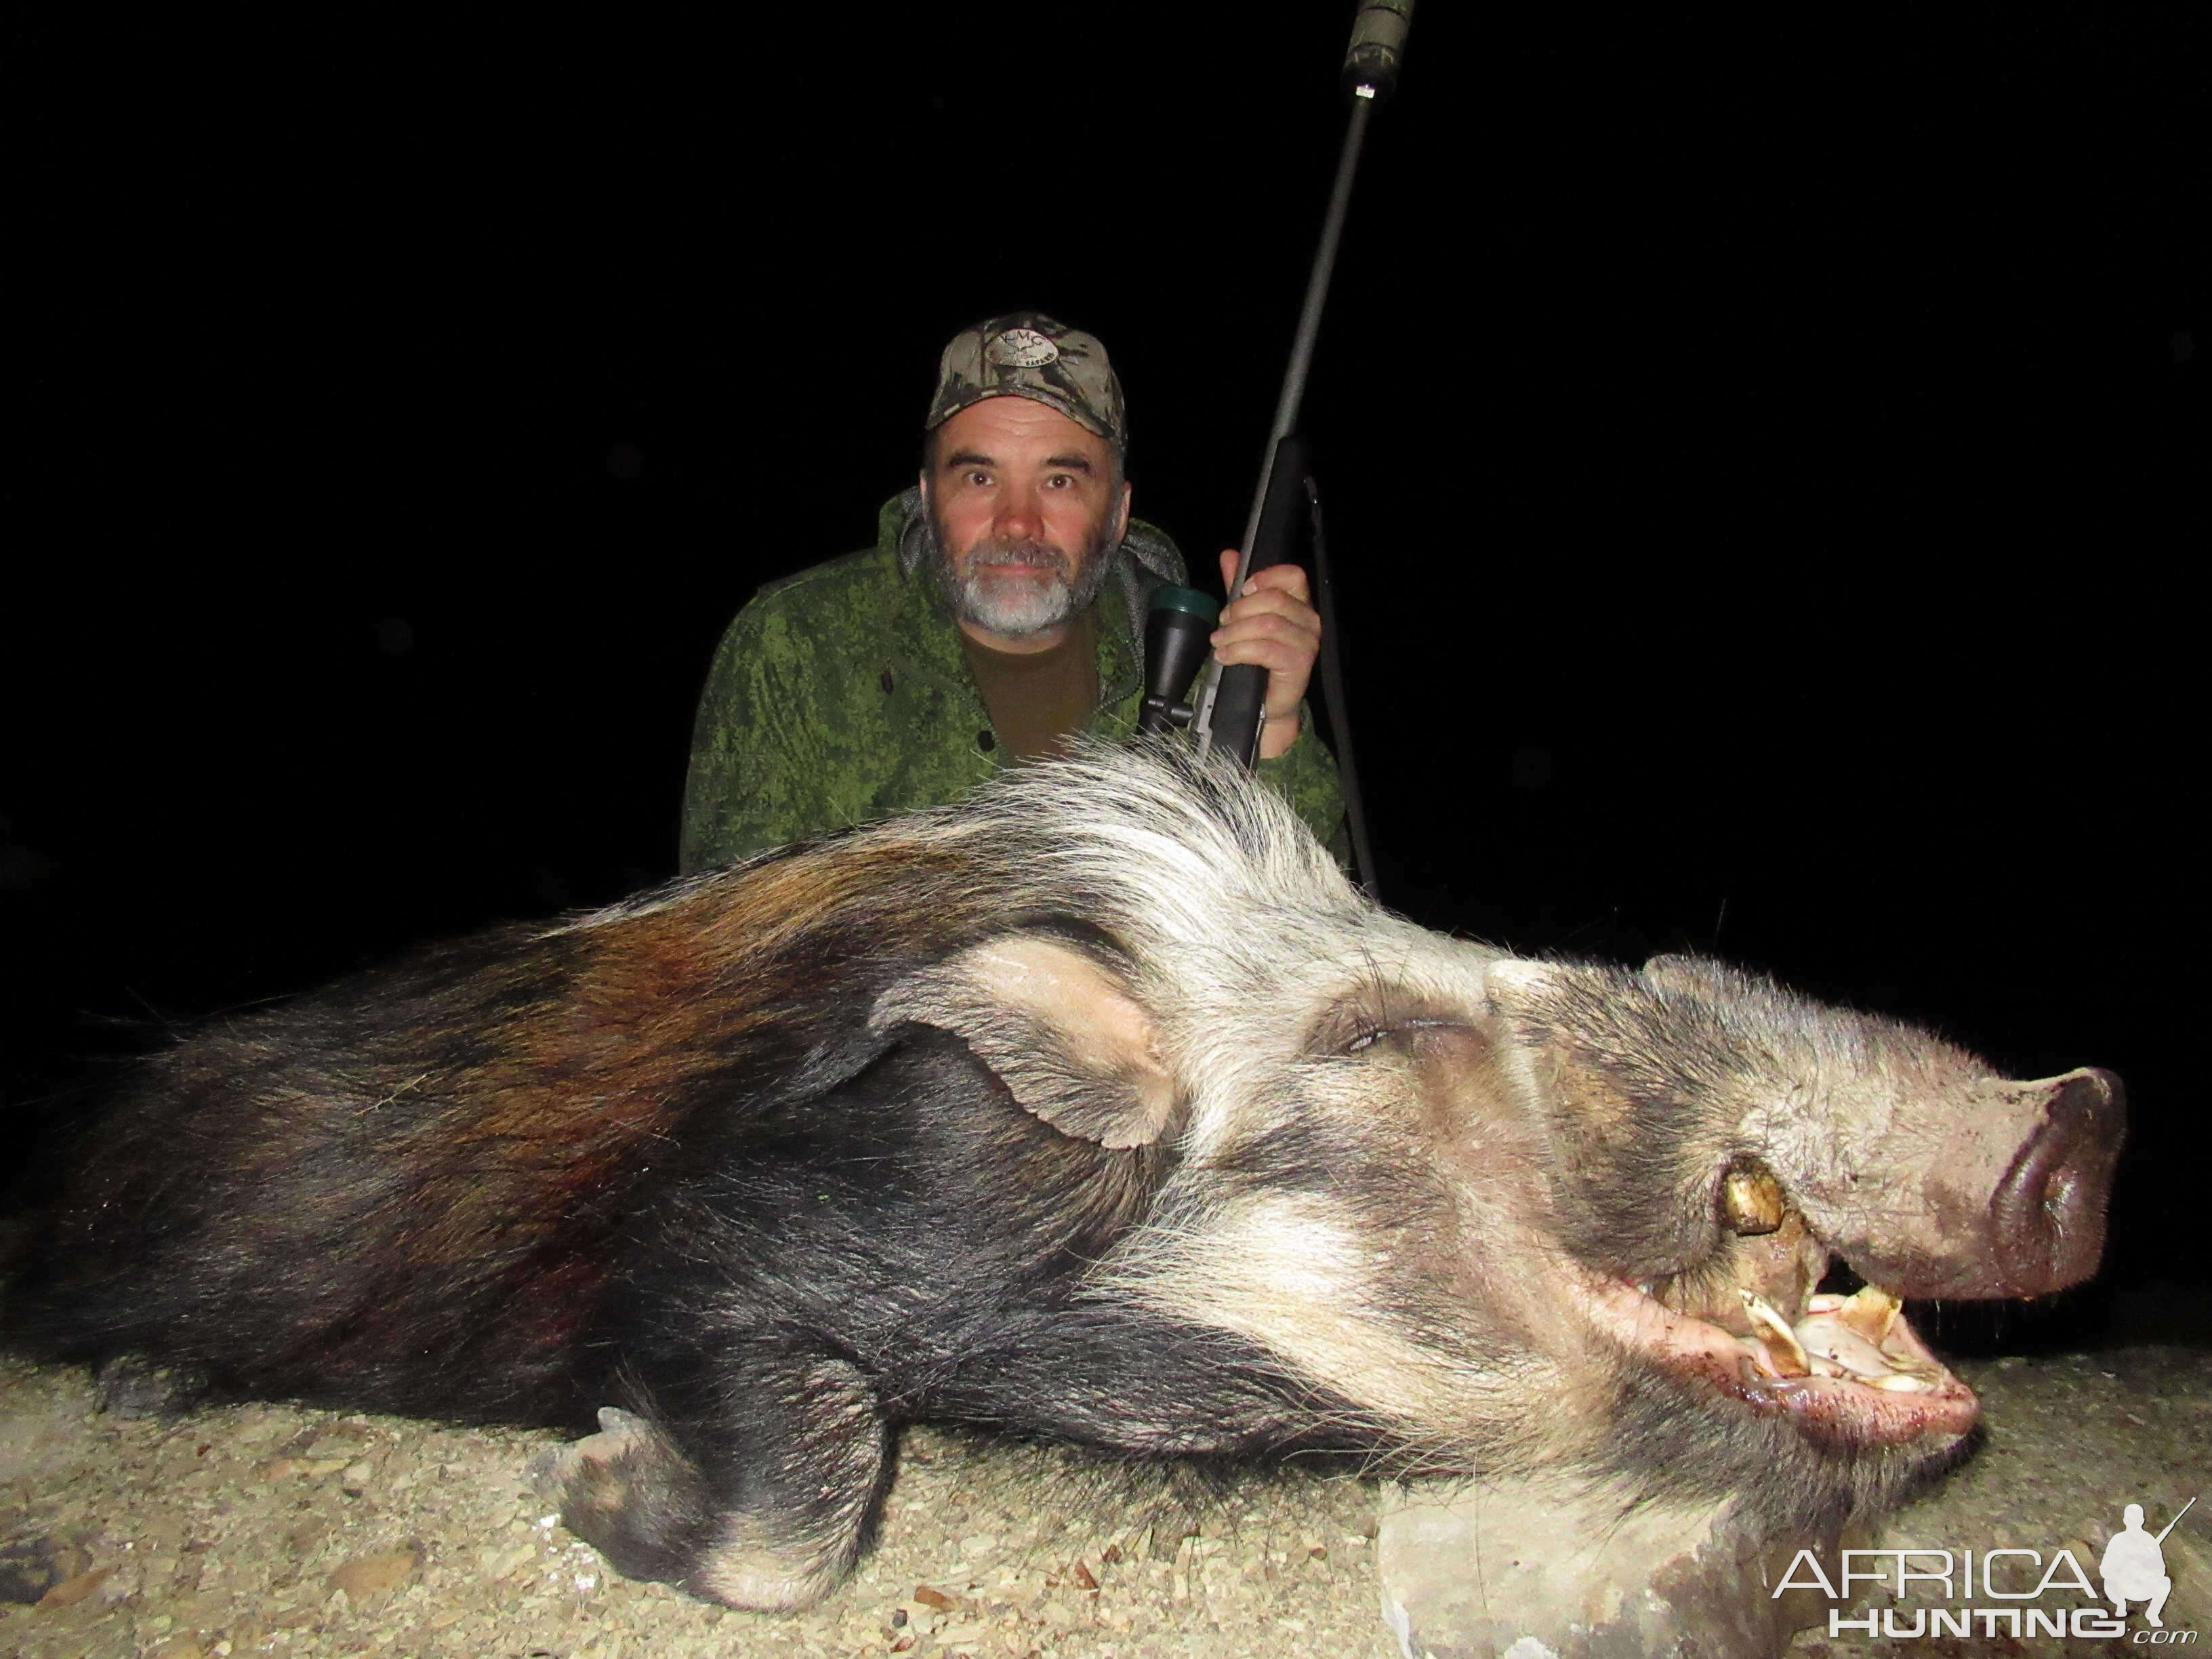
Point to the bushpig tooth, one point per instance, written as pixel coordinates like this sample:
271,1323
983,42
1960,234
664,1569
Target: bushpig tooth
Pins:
1903,1382
1788,1355
1765,1362
1826,1302
1827,1335
1752,1201
1870,1312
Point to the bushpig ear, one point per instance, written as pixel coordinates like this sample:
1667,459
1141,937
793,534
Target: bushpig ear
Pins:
1059,1031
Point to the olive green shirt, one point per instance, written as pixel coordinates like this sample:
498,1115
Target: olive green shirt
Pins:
842,694
1038,700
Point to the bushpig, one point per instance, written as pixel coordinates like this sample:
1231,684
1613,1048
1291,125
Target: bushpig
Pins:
1098,1107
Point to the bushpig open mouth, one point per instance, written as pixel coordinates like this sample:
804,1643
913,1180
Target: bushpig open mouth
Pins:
1848,1370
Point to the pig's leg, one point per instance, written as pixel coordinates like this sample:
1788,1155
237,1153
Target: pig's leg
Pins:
764,1505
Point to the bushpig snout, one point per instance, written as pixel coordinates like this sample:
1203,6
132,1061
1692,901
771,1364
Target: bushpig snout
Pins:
2008,1195
2048,1217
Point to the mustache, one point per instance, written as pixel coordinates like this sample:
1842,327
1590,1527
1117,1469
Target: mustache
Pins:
1041,554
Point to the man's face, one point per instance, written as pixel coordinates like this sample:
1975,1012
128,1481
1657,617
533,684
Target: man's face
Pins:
1025,505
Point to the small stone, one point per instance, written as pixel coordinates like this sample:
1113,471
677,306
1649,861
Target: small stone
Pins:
367,1575
929,1597
919,1618
74,1589
496,1563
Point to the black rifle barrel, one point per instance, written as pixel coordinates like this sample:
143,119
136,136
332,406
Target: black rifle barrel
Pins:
1370,69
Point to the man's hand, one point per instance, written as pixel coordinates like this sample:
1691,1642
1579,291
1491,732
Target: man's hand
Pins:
1272,624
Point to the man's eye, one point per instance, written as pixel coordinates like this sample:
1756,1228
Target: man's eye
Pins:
1061,480
979,478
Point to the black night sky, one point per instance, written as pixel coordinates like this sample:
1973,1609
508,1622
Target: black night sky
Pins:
1762,462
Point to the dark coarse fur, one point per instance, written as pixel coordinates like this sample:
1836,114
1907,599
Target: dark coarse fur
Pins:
303,1201
407,1191
662,1159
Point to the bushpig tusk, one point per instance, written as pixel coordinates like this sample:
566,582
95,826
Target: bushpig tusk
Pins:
1790,1360
1870,1312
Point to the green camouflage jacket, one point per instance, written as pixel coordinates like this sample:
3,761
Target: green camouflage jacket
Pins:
840,695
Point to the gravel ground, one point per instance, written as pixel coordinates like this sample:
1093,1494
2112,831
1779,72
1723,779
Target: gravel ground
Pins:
271,1529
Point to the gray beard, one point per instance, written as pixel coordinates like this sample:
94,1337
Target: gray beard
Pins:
1017,613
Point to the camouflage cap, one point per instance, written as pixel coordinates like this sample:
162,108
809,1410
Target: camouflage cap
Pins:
1028,355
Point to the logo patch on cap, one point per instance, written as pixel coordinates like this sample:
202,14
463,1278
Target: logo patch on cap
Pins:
1021,347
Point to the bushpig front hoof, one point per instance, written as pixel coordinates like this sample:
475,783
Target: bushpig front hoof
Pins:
631,1494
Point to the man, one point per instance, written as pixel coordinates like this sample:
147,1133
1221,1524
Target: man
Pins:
1000,615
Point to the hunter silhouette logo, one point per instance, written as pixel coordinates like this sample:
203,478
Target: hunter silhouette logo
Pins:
2134,1567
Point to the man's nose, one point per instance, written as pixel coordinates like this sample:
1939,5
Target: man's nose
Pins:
1019,517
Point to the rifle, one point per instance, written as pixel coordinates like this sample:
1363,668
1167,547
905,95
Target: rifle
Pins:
1230,701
